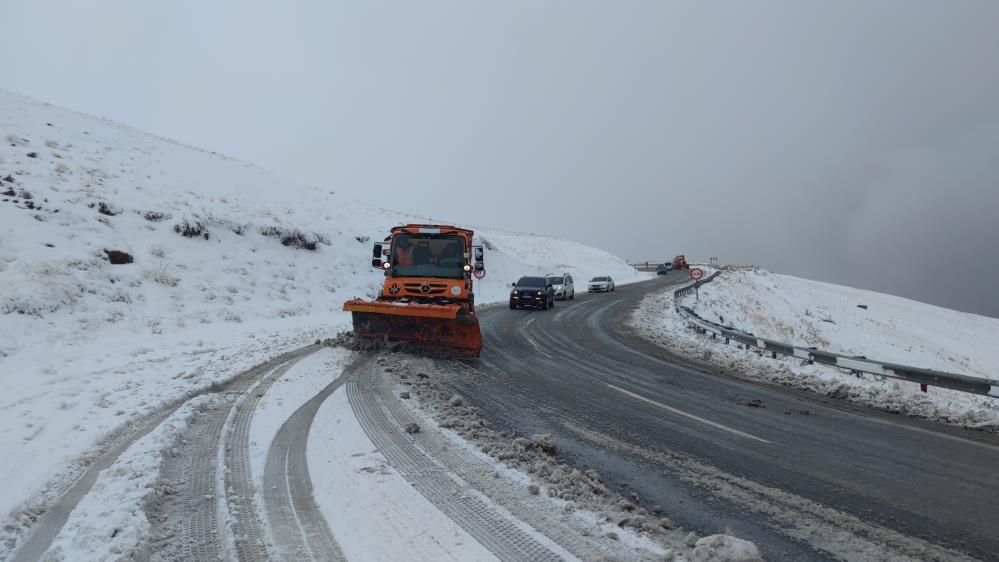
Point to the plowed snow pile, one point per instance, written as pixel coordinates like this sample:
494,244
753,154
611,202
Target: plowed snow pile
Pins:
841,319
135,270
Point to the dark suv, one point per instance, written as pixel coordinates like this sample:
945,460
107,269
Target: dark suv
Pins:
533,292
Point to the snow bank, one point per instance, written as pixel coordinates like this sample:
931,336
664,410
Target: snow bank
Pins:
827,316
811,313
135,270
725,548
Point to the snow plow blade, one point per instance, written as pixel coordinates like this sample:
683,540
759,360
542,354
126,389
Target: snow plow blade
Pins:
434,328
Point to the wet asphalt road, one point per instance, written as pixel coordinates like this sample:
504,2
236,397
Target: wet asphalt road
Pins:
687,438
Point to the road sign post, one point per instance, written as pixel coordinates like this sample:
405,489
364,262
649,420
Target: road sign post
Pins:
696,273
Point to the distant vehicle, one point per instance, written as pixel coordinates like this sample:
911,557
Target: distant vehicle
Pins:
680,262
533,292
600,285
564,287
663,269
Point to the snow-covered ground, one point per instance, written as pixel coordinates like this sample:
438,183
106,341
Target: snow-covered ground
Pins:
827,316
109,523
811,313
359,491
88,347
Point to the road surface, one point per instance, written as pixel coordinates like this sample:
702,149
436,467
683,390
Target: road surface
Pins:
803,476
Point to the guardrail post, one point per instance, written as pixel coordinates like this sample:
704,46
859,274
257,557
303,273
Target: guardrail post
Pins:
773,355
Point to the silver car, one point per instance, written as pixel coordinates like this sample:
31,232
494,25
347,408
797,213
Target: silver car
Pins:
564,287
600,285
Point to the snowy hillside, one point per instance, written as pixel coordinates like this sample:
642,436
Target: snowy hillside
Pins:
811,313
827,316
227,265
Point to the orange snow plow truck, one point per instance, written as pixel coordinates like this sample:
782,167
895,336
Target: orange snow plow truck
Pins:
427,297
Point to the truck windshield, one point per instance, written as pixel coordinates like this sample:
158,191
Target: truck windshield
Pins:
428,255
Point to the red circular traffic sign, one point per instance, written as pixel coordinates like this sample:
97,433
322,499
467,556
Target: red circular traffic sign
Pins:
696,273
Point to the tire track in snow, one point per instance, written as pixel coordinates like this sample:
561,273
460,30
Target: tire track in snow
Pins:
434,481
193,514
48,526
299,528
239,491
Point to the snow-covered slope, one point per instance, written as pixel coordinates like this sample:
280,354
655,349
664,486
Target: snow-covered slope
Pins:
811,313
827,316
86,345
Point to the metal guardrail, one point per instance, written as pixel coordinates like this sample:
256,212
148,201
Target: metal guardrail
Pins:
931,377
648,266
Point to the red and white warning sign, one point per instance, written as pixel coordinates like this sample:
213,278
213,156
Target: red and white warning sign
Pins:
696,273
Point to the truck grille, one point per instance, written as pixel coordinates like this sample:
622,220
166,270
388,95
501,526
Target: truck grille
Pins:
425,288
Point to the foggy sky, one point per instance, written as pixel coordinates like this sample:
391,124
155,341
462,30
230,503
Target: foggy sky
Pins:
854,142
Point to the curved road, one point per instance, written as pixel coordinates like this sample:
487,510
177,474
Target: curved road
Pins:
804,476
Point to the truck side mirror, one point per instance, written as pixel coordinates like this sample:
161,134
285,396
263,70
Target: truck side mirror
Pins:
376,255
477,258
514,284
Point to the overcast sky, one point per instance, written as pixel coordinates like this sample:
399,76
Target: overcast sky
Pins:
851,141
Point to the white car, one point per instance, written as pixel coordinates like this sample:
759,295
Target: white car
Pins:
600,285
565,289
